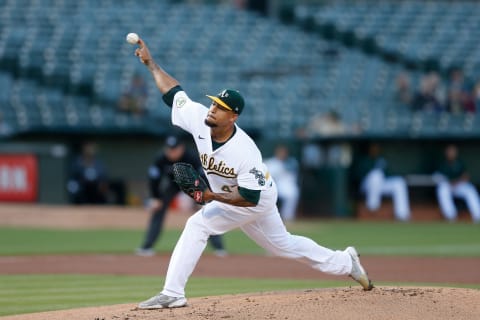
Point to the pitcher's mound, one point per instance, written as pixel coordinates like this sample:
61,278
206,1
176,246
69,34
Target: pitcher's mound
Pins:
339,303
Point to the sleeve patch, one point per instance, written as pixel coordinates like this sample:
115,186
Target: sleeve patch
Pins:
259,176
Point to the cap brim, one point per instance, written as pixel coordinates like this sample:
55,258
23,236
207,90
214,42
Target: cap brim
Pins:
220,102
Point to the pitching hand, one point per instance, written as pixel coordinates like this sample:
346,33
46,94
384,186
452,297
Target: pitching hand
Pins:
143,53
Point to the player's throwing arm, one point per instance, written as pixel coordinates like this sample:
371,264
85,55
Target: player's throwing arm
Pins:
162,79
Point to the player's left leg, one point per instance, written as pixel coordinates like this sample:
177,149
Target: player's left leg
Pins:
270,233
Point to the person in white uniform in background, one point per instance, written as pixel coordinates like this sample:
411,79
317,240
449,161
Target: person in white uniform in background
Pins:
242,195
453,182
284,170
376,183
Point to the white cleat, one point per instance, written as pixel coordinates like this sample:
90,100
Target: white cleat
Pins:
358,273
161,301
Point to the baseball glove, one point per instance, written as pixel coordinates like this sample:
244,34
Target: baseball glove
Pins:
189,181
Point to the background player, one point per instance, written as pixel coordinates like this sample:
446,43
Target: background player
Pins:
242,195
453,182
163,191
284,170
375,183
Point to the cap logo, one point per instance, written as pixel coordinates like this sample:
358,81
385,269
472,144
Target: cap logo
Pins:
223,94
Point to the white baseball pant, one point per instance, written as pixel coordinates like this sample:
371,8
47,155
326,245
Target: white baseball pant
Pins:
266,229
463,190
375,185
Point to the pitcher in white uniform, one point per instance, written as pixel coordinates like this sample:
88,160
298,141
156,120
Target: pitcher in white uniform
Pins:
243,194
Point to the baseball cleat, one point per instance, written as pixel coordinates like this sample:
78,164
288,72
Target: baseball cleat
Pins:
358,273
161,301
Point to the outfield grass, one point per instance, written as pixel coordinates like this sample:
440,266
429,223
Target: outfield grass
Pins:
372,238
35,293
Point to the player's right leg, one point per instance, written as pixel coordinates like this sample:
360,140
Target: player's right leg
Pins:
270,233
445,199
210,220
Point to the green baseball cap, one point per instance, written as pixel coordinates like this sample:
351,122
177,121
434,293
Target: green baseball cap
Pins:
229,99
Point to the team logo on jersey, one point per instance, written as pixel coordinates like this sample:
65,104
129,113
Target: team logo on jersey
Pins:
220,168
258,175
180,102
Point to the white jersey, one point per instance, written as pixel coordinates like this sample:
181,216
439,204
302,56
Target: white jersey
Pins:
238,162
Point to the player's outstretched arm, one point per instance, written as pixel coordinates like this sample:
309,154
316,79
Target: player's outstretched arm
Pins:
234,198
163,80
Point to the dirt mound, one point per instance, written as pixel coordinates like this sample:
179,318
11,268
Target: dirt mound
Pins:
340,303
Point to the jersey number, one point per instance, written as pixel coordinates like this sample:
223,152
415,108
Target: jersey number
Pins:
226,188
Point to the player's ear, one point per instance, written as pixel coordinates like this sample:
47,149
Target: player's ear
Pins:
234,117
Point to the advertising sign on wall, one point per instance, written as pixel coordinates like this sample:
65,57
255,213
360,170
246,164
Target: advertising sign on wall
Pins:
18,178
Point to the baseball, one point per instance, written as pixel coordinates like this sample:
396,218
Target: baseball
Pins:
132,38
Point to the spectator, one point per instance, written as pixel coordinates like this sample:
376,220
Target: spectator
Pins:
163,190
430,96
284,170
453,182
460,98
133,100
403,90
88,182
325,125
371,171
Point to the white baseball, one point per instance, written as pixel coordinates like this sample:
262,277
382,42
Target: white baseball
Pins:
132,38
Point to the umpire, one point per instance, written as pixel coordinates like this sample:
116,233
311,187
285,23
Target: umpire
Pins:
163,190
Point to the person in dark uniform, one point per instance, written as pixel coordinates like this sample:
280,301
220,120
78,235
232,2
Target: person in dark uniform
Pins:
163,190
88,179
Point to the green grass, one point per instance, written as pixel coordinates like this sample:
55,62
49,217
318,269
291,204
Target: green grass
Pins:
35,293
430,239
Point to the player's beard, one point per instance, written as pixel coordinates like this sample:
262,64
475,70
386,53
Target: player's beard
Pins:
210,124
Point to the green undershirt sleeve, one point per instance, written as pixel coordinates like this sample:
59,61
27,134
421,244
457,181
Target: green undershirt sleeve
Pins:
168,97
252,196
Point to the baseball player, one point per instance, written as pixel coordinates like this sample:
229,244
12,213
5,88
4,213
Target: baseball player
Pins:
375,183
242,193
163,190
453,182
